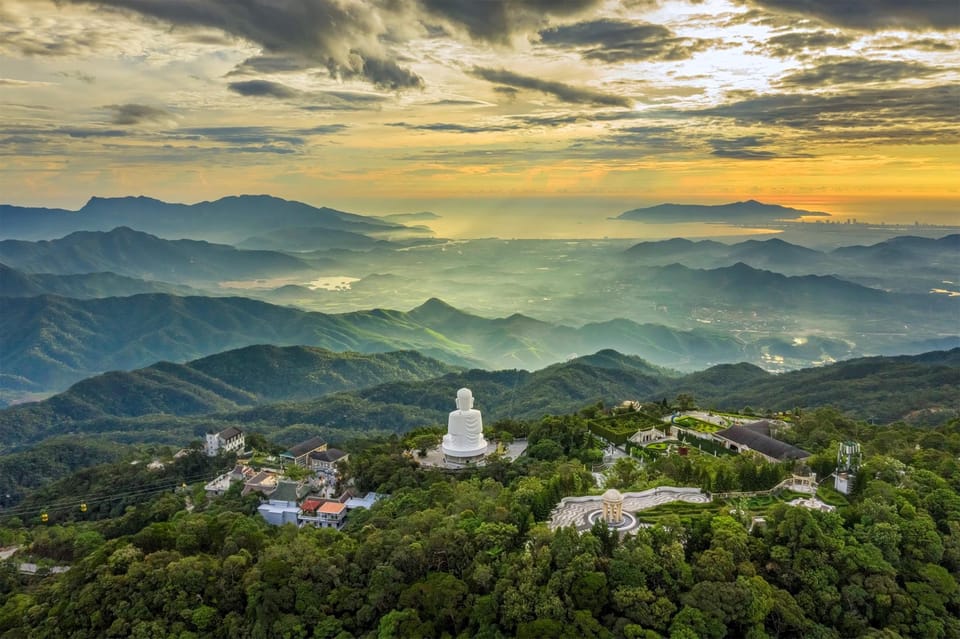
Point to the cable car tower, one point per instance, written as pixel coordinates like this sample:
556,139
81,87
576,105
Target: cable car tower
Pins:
849,459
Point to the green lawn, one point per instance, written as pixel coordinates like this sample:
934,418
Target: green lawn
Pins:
829,495
698,425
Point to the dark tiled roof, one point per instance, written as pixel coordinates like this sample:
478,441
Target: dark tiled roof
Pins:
288,491
762,444
762,427
229,433
305,447
329,455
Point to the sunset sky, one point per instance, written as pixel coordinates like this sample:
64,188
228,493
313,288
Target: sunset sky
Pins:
478,108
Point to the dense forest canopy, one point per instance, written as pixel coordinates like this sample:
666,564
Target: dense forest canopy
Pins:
470,554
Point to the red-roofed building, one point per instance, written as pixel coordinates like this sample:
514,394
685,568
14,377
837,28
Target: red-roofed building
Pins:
311,504
322,513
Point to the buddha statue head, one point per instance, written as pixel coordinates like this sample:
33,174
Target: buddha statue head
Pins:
464,399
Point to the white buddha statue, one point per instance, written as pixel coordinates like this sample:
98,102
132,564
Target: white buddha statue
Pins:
464,438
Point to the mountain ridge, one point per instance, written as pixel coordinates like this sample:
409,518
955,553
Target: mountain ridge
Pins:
744,211
132,253
169,396
229,219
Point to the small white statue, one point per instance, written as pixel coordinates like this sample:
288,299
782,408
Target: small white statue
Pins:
464,438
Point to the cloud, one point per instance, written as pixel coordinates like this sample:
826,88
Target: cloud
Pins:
309,100
620,40
86,78
344,37
923,44
266,64
343,101
872,15
501,20
926,110
857,71
137,114
10,82
323,129
559,90
263,88
795,43
510,93
258,135
90,132
748,147
445,127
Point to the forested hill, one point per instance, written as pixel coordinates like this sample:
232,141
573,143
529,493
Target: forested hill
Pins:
882,389
474,554
223,382
50,342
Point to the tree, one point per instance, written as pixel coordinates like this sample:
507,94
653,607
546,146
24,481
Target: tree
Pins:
685,401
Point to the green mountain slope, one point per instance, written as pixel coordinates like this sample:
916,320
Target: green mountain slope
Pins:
141,255
171,404
223,382
14,283
50,342
880,388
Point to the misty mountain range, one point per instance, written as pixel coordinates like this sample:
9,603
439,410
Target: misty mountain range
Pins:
125,297
902,263
230,219
276,388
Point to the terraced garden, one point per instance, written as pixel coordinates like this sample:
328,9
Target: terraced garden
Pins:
698,425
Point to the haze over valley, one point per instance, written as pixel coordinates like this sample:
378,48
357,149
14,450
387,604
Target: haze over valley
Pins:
495,303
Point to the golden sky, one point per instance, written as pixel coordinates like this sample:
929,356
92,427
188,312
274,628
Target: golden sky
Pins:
482,109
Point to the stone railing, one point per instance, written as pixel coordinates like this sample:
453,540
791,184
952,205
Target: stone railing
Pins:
798,483
652,492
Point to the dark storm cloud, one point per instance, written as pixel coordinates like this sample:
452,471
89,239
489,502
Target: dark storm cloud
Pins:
263,88
923,44
857,71
342,37
559,90
499,20
934,107
389,74
265,64
791,44
619,40
873,14
137,113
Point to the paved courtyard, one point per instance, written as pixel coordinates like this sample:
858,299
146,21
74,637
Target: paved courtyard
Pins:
575,511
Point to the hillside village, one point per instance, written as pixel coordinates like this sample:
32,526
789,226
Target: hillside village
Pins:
303,485
315,498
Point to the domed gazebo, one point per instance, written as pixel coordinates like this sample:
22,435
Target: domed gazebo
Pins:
612,507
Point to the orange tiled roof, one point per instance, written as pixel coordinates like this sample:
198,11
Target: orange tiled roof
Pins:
332,508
